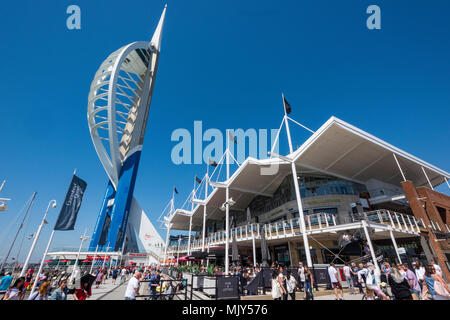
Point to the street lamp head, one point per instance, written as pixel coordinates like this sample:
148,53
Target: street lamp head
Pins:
53,203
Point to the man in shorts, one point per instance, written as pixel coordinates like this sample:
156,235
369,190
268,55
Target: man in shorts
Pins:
335,282
115,272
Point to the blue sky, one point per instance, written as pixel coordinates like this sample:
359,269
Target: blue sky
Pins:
222,62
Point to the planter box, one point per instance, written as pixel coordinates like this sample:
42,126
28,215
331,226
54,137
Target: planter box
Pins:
188,277
209,286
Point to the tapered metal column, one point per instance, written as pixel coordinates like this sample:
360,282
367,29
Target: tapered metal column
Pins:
42,263
93,260
227,214
369,242
395,246
297,193
204,211
82,238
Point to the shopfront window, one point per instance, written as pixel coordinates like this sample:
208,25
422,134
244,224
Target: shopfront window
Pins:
310,186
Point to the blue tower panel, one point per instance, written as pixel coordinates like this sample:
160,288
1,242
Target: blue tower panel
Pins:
109,194
122,203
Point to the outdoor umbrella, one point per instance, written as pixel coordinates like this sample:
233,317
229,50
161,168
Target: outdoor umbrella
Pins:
234,251
264,250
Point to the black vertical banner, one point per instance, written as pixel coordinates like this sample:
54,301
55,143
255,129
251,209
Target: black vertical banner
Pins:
72,203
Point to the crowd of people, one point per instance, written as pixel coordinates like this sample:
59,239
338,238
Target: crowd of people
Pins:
57,284
396,281
389,281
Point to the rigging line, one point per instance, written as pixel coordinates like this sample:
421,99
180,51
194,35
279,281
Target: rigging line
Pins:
234,159
15,221
276,138
210,178
304,127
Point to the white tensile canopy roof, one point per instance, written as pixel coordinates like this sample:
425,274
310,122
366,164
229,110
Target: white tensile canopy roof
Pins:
337,149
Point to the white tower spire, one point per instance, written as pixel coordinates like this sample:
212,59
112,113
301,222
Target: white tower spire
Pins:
155,43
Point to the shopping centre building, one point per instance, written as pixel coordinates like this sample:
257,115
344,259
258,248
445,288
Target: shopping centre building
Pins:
350,182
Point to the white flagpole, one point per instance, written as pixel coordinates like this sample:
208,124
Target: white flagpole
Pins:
297,191
227,214
42,262
93,260
204,208
190,220
36,237
104,258
82,238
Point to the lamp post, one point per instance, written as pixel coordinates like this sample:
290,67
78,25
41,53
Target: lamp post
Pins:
36,237
82,238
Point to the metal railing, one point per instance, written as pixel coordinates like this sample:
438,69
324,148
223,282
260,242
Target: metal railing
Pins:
315,222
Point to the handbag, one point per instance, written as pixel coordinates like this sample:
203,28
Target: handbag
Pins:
440,289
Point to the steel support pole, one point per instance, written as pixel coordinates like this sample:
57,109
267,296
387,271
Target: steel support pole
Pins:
36,238
167,242
204,212
395,246
42,263
227,214
83,238
254,248
93,260
297,193
369,242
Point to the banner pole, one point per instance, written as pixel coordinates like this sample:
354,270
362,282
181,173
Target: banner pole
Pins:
93,260
36,237
42,263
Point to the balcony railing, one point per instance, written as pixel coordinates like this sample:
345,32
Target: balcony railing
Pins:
318,222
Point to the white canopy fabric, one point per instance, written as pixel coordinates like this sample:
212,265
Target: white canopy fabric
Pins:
337,149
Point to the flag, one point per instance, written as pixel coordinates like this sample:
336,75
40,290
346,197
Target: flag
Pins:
287,106
72,203
233,138
198,180
213,163
176,191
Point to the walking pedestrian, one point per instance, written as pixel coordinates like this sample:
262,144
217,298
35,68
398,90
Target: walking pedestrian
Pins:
348,278
291,284
282,282
301,276
276,288
42,293
399,285
309,284
335,282
412,281
420,273
115,272
61,292
123,275
17,291
5,282
99,279
436,286
133,287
